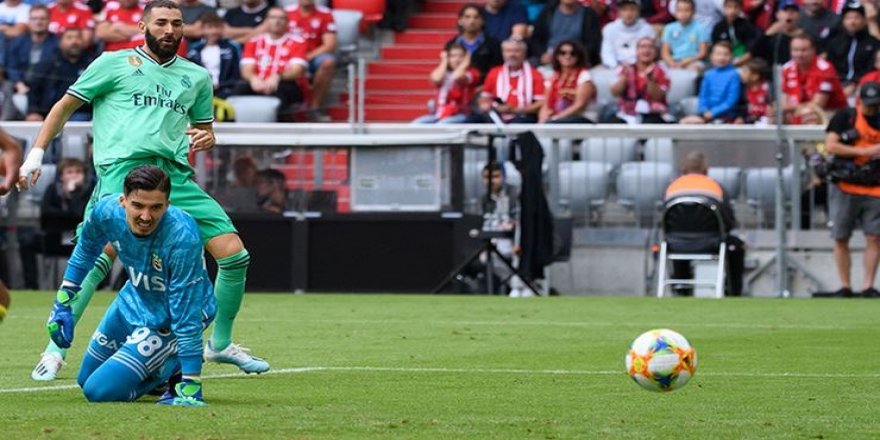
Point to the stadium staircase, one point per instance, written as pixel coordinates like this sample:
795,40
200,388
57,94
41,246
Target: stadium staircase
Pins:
397,87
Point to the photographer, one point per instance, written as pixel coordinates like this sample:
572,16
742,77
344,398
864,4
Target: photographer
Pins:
853,137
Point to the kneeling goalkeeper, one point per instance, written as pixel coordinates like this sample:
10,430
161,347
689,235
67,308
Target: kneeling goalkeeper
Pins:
153,329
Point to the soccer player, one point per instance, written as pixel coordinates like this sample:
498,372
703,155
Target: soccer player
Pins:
155,324
152,107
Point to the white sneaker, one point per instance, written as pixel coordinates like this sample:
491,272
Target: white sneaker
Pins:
48,367
515,293
236,355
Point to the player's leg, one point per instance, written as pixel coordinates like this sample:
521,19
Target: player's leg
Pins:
223,243
133,370
107,339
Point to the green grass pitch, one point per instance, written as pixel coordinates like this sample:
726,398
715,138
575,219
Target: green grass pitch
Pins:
452,367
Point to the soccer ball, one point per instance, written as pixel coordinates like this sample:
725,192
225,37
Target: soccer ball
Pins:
661,360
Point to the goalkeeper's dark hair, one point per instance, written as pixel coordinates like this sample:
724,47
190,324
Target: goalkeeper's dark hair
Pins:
147,178
168,4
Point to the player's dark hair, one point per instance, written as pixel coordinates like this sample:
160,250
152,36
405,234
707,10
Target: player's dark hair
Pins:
147,178
167,4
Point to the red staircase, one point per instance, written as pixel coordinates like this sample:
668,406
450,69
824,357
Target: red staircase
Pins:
397,87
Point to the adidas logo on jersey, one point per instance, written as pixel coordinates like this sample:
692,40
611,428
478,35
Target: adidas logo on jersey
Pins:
138,73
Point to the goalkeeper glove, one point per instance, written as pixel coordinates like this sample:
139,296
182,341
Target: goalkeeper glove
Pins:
187,392
61,321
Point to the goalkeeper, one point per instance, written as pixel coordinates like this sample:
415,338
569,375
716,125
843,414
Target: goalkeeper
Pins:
152,107
154,327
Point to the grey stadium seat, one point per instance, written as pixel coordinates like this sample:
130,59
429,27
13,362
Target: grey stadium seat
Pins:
761,189
682,84
659,150
347,30
640,187
584,185
613,151
47,179
730,179
255,108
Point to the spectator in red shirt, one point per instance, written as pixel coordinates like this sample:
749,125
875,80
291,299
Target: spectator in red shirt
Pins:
759,100
118,26
641,88
315,25
273,64
571,89
65,14
515,90
808,79
456,83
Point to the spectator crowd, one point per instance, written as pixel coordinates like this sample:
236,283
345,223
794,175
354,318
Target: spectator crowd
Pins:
250,47
551,66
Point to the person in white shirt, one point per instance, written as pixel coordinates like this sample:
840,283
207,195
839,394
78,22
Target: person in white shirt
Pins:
619,37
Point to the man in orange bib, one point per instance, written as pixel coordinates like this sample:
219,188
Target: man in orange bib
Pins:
694,181
854,133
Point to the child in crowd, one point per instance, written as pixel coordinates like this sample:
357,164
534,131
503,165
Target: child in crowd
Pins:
736,29
720,89
759,106
456,84
685,41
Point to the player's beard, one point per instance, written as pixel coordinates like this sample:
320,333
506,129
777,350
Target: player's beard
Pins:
163,53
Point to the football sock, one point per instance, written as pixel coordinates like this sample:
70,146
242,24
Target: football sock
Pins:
87,289
229,290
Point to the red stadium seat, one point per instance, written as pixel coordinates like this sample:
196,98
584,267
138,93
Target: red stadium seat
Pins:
373,10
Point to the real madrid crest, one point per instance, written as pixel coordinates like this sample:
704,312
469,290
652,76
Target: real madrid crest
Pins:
185,81
135,61
156,262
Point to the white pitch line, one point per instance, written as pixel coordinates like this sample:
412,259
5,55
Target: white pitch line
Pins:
770,375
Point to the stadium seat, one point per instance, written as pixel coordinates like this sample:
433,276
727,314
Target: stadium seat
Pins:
602,79
347,25
584,185
75,147
613,151
730,179
640,187
564,148
372,11
692,230
659,150
20,101
255,108
682,84
761,189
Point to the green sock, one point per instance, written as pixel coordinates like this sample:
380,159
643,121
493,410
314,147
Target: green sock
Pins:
229,290
87,289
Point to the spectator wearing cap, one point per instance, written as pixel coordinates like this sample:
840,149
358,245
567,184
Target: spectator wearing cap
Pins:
619,38
852,134
809,79
851,51
506,19
739,32
569,21
775,45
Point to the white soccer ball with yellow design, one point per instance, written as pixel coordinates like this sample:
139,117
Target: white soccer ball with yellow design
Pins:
661,360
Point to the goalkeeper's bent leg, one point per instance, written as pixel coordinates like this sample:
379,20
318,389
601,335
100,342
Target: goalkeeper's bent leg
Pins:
87,289
229,290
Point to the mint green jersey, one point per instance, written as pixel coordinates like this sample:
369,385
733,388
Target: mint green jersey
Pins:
142,108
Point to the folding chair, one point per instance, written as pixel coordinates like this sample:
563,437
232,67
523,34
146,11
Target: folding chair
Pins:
692,230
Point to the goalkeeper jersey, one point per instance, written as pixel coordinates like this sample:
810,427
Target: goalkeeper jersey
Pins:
168,286
142,108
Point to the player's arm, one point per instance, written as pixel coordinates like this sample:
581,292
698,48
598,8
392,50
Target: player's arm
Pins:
188,291
52,125
11,161
328,45
88,248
